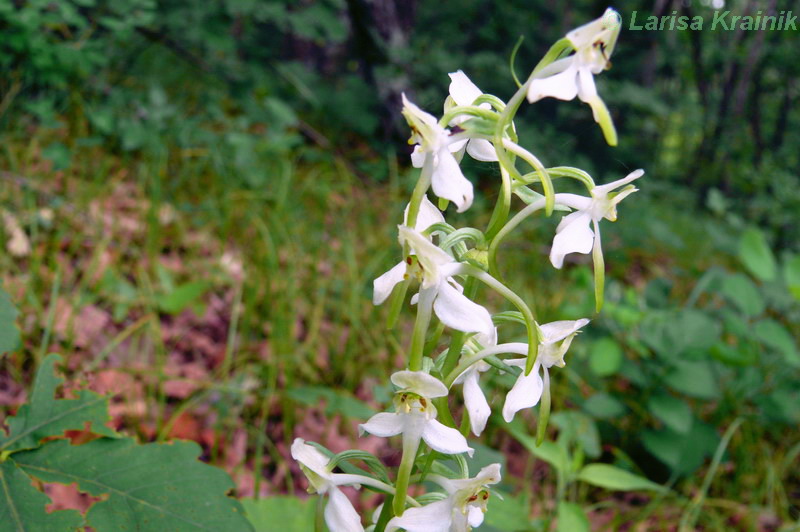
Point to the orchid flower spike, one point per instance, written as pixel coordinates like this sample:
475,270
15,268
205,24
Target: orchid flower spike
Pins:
555,339
474,399
435,270
340,515
464,93
574,234
573,75
433,154
462,510
415,416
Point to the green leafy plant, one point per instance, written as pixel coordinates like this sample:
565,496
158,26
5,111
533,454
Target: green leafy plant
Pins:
139,487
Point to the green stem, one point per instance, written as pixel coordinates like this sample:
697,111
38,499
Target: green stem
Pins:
530,323
424,308
507,228
466,110
503,205
410,447
518,348
541,171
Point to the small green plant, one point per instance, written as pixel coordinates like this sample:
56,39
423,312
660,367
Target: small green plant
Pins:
152,486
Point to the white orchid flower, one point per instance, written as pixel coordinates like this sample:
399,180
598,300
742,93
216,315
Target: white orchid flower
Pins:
382,287
340,515
573,76
474,399
415,416
464,92
574,234
555,339
462,510
433,154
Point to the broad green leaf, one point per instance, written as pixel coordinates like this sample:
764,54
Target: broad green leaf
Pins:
509,514
281,513
605,357
683,453
548,451
9,333
791,274
44,415
743,354
694,379
175,301
743,293
755,254
336,401
574,425
774,335
571,518
604,406
671,411
152,487
22,507
613,478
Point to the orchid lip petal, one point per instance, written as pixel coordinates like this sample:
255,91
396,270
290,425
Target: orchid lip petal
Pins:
448,181
525,393
475,401
340,514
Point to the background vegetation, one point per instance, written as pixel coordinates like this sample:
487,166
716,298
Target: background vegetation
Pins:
196,197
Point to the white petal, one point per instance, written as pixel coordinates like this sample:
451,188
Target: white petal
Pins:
449,182
383,424
474,516
573,235
382,286
433,517
458,145
482,150
340,516
311,457
463,91
558,330
587,91
476,403
409,108
430,256
457,311
418,157
445,439
526,393
563,85
428,215
489,474
419,383
603,190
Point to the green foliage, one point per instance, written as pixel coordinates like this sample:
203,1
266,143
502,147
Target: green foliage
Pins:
614,478
280,513
755,254
45,416
336,401
9,333
571,518
146,487
142,487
